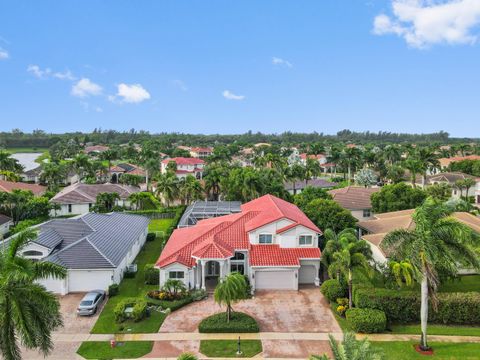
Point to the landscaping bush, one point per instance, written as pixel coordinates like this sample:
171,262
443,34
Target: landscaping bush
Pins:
366,320
332,290
342,306
129,274
151,236
151,275
239,323
187,356
139,310
113,290
457,308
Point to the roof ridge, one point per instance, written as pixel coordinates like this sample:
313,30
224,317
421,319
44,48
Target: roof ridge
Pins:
102,254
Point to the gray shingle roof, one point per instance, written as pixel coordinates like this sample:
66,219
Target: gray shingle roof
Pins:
4,219
92,241
87,193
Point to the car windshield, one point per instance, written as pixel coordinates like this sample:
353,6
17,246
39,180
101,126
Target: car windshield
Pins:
86,303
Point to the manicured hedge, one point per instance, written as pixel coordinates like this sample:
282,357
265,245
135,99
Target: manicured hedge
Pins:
332,290
366,321
151,274
171,304
239,323
404,306
151,236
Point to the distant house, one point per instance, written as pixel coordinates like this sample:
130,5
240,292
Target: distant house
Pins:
185,167
79,198
9,186
298,186
374,231
94,248
445,162
32,175
451,178
95,149
118,170
5,224
201,152
356,199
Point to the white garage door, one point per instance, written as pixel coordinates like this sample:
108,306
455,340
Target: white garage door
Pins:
55,286
306,274
84,280
275,279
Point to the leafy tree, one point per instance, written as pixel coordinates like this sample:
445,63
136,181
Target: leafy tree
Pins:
109,155
471,167
22,204
351,349
440,191
230,290
212,178
167,187
190,189
130,179
308,194
437,247
350,159
9,176
181,153
28,312
105,202
466,184
8,163
53,175
428,160
397,197
143,201
395,173
327,214
366,177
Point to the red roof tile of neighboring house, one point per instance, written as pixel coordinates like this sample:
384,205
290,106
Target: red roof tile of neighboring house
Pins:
184,161
353,197
219,237
274,255
9,186
202,149
312,156
444,162
96,148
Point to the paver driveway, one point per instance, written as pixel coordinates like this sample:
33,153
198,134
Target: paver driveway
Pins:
305,310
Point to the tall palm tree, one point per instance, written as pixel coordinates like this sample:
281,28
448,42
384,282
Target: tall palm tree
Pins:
437,243
28,312
347,260
428,160
392,154
167,187
190,189
81,165
212,179
312,169
351,349
293,173
414,166
230,290
336,242
53,175
109,155
350,158
8,163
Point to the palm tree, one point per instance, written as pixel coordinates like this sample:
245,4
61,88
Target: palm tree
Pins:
347,260
392,154
28,312
336,242
230,290
53,175
351,349
81,165
437,243
105,202
212,179
167,187
395,173
414,166
8,163
350,158
312,169
9,176
109,155
428,160
190,189
466,184
293,173
402,271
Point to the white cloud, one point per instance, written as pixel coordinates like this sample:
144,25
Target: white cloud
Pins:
227,94
66,75
4,55
423,23
85,87
179,84
281,62
134,93
36,71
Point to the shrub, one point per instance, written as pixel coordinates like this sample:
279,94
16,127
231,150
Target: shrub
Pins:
367,320
139,311
113,290
187,356
151,275
239,323
198,295
332,290
151,236
129,274
342,306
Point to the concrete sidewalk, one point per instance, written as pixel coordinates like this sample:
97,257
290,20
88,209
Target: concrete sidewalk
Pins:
251,336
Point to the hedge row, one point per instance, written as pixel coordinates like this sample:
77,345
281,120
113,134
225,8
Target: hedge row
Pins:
404,306
332,289
239,323
366,321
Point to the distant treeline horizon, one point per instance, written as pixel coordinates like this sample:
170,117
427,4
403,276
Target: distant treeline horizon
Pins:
42,139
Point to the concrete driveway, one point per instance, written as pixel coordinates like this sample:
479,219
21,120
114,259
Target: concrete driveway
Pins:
305,310
73,324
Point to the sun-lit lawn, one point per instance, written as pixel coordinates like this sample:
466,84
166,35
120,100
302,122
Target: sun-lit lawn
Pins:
228,348
436,329
404,350
103,350
134,287
159,225
465,283
14,150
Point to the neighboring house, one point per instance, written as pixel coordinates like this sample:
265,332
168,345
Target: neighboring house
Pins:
201,152
94,248
451,178
271,241
374,231
9,186
322,160
477,194
445,162
298,186
356,199
201,210
95,149
32,175
185,167
79,198
116,171
5,224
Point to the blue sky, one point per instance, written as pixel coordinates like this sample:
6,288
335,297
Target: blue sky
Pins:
233,66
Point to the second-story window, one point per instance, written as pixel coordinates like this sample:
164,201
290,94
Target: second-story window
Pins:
265,239
305,240
367,213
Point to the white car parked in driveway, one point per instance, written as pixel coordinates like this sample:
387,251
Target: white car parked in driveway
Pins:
90,303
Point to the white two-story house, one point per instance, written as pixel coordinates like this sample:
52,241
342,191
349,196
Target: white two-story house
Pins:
185,166
271,241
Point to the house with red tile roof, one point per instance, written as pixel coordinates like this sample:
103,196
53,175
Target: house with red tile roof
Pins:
185,166
270,240
9,186
201,152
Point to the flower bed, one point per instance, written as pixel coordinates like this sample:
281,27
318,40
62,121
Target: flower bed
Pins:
239,323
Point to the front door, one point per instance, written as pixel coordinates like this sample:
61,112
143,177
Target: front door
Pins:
213,268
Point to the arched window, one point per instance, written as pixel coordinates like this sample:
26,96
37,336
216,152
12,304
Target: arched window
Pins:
32,253
239,256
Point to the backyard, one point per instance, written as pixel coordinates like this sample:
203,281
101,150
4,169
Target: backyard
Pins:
136,287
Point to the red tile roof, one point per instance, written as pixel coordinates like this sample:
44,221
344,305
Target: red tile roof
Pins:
312,156
220,237
184,161
9,186
274,255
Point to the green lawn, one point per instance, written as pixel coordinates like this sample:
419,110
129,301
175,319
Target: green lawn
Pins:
228,348
159,225
126,350
435,329
403,350
15,150
344,324
134,288
465,283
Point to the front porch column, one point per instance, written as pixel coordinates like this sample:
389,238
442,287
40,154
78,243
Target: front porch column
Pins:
197,276
222,268
317,278
202,263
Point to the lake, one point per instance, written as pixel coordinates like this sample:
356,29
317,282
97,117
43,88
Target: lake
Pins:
27,160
